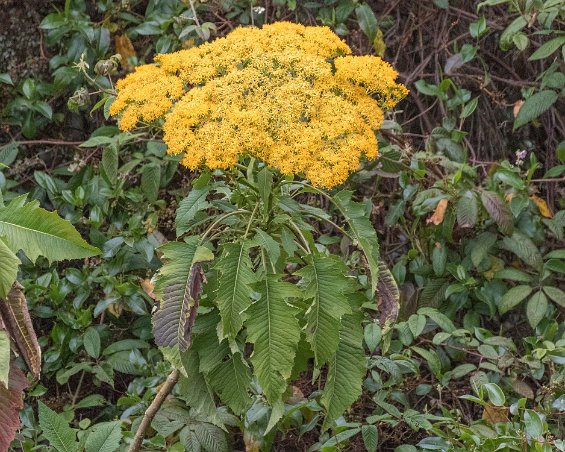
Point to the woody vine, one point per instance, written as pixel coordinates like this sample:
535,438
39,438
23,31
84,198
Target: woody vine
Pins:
273,119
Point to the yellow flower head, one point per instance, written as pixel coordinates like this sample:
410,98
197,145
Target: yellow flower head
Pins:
288,94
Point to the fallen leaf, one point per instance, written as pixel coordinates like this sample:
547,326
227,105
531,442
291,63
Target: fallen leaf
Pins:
495,414
125,48
517,105
544,209
439,213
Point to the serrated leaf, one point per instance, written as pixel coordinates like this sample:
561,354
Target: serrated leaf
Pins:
536,308
16,319
523,247
467,210
547,48
325,285
38,232
362,231
346,368
189,207
150,181
9,264
210,437
11,401
535,106
232,380
370,435
388,296
274,331
178,287
234,289
498,211
109,161
105,437
513,298
91,341
56,429
270,245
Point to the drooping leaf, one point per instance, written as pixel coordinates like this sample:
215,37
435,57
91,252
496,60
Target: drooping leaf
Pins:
388,296
57,430
195,390
11,402
178,287
346,368
189,207
467,210
535,106
231,380
367,21
363,232
17,321
274,331
9,264
325,286
498,211
234,288
38,232
105,437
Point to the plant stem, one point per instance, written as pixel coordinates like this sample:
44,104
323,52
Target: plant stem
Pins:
152,410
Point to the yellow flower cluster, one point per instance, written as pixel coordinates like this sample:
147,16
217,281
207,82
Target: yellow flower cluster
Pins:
288,94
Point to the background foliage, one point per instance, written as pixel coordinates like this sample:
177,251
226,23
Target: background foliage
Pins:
467,199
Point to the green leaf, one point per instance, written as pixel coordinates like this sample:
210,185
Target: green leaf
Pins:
41,233
274,331
178,286
431,358
325,286
210,437
265,184
6,79
347,367
234,290
467,210
439,318
150,181
523,247
498,211
439,258
505,42
495,394
533,424
557,295
189,207
370,435
536,308
513,298
362,231
535,106
513,274
367,21
4,356
548,48
9,264
269,244
91,341
232,380
105,437
56,429
372,335
481,247
416,323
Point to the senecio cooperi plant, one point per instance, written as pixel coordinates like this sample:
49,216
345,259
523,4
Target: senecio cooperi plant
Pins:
251,291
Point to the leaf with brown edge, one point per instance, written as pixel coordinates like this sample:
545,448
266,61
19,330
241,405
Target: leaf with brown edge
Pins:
15,314
388,296
11,402
498,211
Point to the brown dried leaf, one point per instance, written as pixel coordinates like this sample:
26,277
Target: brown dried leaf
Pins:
544,209
148,287
15,314
517,105
523,388
125,48
439,213
495,414
11,402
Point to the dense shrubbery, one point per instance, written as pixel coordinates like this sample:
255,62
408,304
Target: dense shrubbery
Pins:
466,196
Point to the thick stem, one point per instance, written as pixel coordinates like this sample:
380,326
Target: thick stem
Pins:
152,410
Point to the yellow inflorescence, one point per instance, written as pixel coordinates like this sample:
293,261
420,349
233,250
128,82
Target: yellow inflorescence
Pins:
288,94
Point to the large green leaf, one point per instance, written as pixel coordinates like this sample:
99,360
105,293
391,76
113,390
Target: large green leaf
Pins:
535,106
274,331
38,232
363,232
105,437
325,285
346,368
234,289
56,429
231,380
178,286
189,207
9,263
